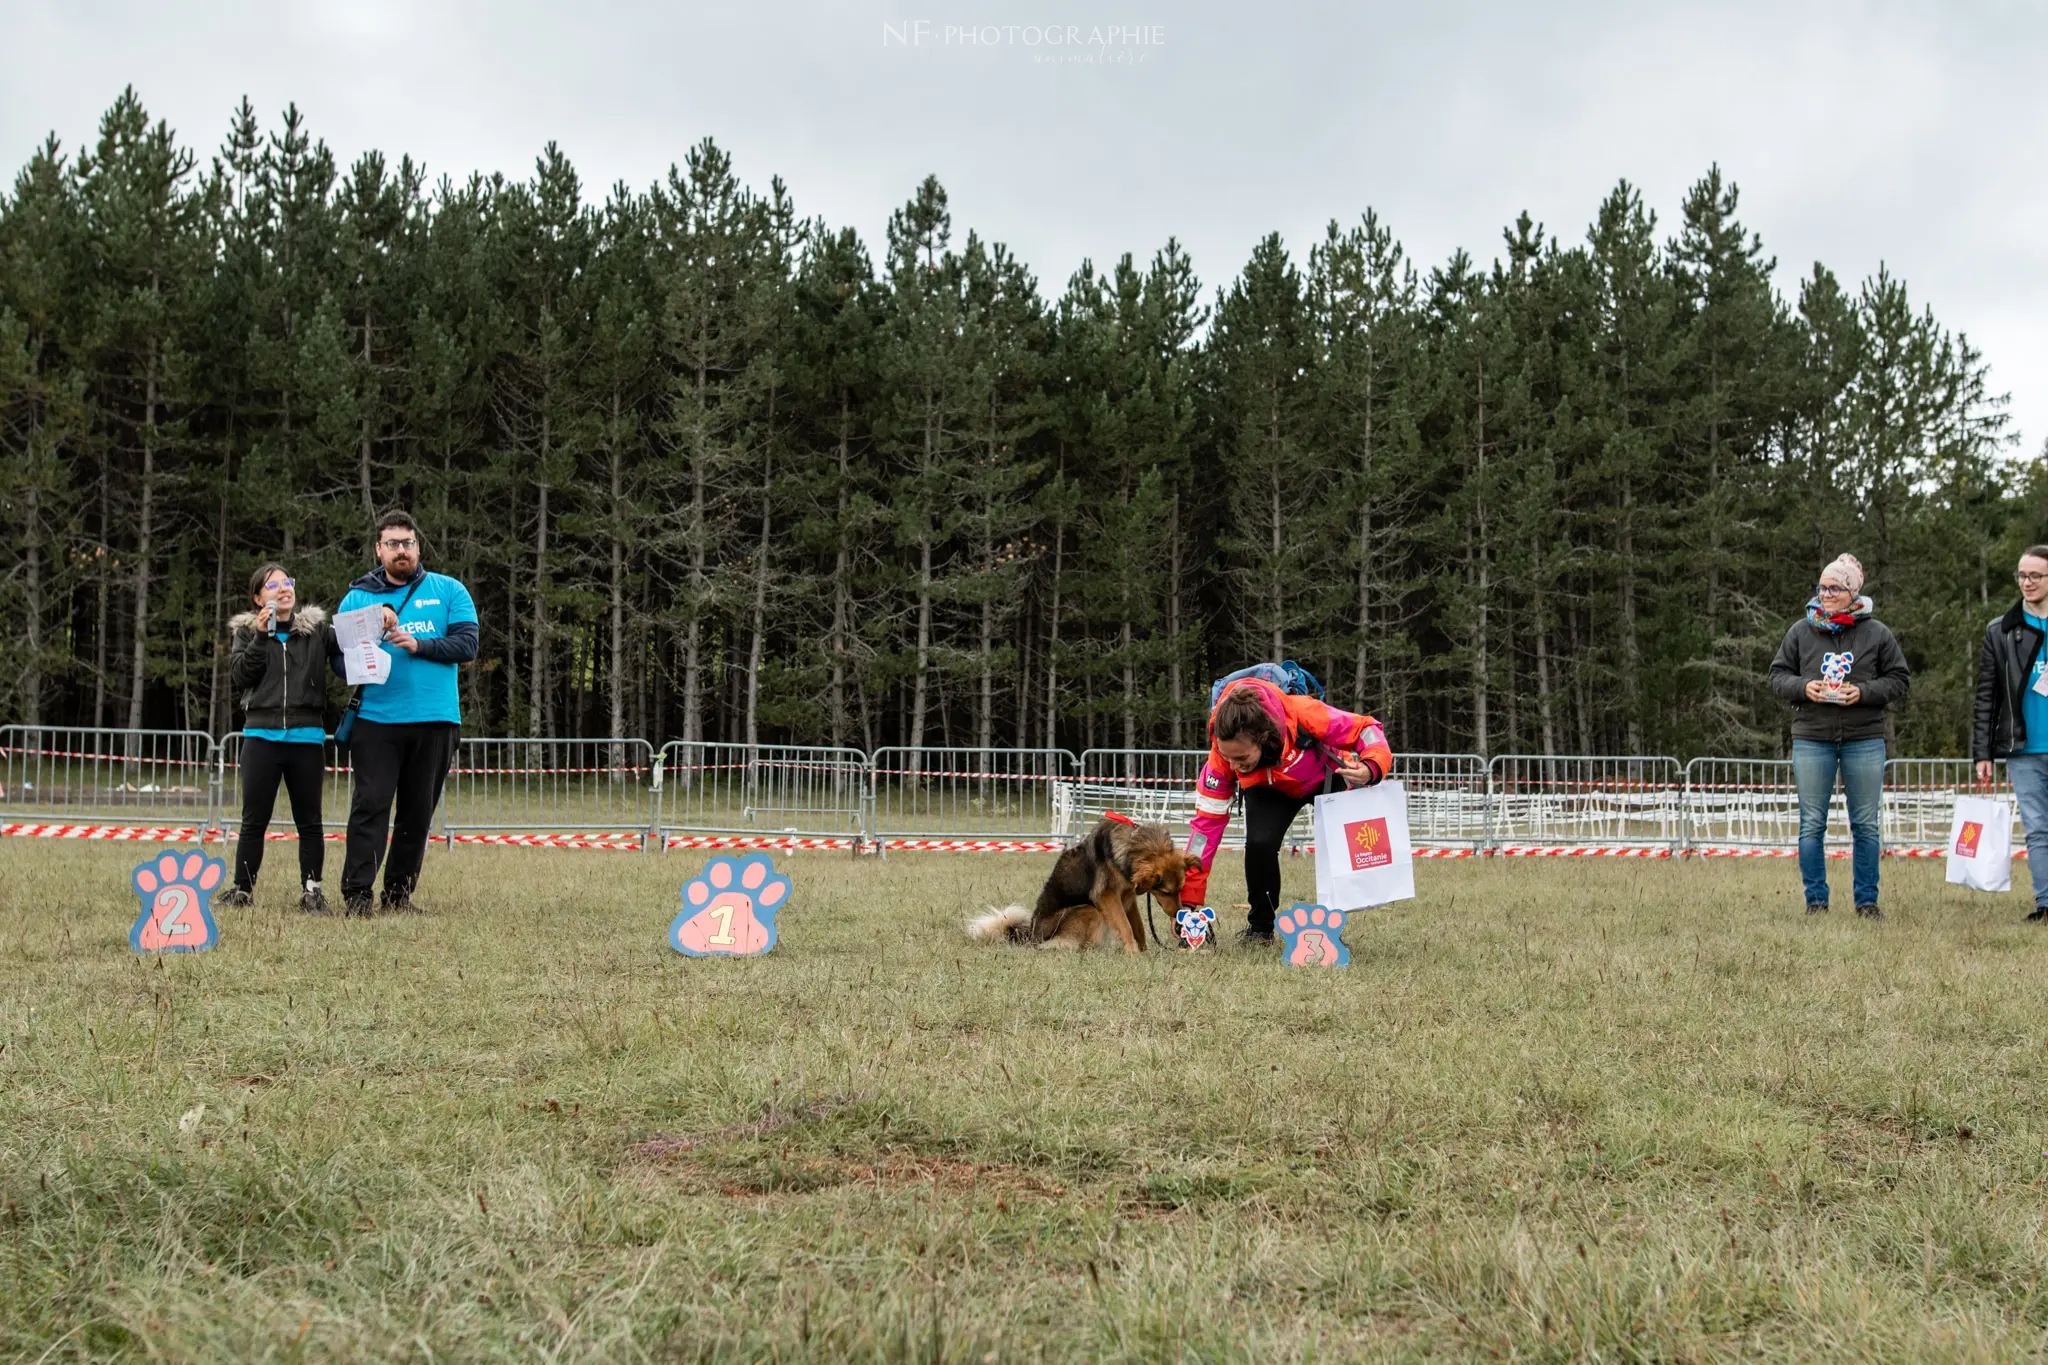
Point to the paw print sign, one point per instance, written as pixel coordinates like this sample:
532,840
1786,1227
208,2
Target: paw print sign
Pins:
1309,937
1192,924
175,891
729,908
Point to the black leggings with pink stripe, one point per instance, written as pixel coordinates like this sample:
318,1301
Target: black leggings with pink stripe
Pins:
1267,816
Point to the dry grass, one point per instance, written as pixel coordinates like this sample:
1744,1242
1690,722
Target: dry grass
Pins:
1555,1111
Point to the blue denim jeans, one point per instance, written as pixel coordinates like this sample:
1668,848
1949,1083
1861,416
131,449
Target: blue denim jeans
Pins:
1861,764
2029,774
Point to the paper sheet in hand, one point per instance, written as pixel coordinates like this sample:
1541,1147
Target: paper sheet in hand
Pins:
359,632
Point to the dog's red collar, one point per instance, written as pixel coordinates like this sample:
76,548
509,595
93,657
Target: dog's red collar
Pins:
1120,819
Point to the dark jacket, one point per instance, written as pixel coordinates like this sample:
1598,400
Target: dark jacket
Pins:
282,684
1879,672
2005,667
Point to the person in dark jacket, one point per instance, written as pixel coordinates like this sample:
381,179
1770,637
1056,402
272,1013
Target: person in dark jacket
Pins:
1841,669
2012,711
278,663
405,734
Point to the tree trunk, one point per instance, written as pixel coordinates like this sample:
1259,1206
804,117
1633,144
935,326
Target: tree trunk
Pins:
1173,587
143,548
841,600
363,450
693,633
536,668
1052,640
32,674
924,641
617,667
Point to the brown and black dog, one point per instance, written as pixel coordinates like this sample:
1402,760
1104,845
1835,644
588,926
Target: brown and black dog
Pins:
1094,888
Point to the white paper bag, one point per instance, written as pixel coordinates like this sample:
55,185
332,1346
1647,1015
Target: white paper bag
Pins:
1980,844
1363,856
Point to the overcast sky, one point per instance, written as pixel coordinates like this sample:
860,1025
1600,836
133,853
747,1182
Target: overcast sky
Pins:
1914,135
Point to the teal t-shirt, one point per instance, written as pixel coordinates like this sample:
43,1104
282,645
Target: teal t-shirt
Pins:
296,734
419,689
2034,706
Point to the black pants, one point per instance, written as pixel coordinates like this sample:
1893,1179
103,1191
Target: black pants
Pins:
1267,814
264,762
405,762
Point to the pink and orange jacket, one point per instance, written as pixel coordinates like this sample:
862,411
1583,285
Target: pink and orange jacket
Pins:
1315,738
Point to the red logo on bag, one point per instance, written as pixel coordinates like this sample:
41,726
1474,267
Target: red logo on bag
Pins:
1966,842
1369,844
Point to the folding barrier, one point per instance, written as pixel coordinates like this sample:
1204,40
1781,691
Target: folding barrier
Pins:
1584,803
1153,786
1920,801
335,788
589,792
948,798
85,777
87,782
761,796
1749,804
1447,799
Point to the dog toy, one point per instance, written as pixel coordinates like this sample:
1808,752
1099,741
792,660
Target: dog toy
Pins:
1309,937
1192,924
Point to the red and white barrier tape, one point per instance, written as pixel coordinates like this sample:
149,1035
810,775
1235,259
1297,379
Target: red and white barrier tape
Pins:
768,841
623,841
971,845
610,842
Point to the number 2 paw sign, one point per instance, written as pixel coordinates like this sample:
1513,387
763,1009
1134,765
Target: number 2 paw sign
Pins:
1309,937
729,908
175,889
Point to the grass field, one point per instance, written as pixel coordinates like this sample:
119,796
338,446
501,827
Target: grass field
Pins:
1555,1111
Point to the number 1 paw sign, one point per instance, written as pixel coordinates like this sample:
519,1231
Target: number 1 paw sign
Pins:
175,890
729,908
1309,937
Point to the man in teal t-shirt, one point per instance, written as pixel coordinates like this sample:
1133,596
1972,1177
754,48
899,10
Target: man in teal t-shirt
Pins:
405,733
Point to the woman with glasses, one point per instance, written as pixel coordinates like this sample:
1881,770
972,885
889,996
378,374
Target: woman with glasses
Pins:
279,665
1841,669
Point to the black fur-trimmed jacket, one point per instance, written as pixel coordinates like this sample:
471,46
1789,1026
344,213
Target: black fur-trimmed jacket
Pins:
2005,669
282,683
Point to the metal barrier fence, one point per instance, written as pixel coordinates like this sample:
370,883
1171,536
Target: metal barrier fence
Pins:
82,775
623,792
737,792
1920,799
1749,803
335,787
1586,801
1448,799
580,786
966,794
1154,786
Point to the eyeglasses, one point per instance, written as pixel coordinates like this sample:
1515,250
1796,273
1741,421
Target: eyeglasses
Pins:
279,584
2032,577
405,544
1829,587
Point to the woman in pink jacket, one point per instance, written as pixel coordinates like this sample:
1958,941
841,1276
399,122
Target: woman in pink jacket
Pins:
1283,751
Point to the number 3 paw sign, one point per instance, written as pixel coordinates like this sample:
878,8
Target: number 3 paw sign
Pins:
175,890
729,908
1309,937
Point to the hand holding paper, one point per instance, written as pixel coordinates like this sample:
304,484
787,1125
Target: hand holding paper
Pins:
363,658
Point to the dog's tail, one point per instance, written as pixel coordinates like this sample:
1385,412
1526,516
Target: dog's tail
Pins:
1012,923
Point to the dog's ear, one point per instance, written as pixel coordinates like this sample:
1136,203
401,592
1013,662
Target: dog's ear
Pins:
1149,872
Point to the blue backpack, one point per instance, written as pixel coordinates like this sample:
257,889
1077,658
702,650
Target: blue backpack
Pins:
1289,677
